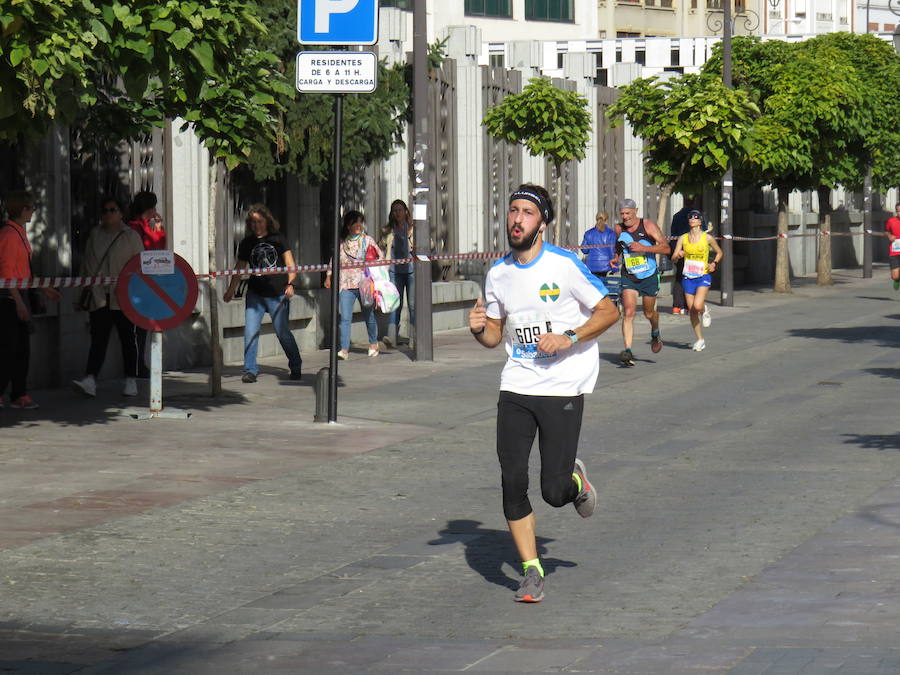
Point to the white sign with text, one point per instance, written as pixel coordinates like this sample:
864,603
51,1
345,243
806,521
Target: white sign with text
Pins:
157,262
337,72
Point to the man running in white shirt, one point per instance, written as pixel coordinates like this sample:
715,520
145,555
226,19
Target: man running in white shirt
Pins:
547,307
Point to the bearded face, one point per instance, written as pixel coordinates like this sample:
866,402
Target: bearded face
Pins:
523,224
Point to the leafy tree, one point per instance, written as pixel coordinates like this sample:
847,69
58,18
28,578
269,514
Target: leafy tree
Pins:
549,121
118,68
817,121
693,127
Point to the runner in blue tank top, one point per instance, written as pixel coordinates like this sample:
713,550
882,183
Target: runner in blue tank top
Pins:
639,241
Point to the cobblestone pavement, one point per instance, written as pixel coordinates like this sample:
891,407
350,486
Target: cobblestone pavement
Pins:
747,521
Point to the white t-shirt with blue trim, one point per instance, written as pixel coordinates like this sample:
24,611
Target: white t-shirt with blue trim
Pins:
553,293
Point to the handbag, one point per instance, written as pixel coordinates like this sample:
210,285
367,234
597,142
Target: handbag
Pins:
85,302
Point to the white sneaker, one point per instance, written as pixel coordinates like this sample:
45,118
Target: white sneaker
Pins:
130,387
373,352
707,319
343,355
86,385
699,345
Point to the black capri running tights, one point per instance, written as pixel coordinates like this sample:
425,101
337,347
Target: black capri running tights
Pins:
558,421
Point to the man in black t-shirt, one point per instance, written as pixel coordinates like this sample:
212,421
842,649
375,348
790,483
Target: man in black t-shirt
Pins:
265,249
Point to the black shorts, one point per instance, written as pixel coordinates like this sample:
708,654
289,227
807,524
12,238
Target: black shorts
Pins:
895,261
557,421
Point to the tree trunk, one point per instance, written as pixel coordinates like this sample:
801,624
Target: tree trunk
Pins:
215,343
823,259
665,194
557,234
782,255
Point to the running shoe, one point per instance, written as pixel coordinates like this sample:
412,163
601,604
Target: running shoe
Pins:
24,402
343,355
627,357
248,378
130,388
707,319
532,587
586,499
296,374
677,310
87,385
373,352
656,343
699,345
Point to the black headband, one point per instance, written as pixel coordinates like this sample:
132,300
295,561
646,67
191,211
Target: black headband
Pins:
537,200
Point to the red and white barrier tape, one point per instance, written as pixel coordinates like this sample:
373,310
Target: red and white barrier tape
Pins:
78,282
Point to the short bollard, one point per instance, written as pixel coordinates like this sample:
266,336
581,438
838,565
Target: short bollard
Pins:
321,395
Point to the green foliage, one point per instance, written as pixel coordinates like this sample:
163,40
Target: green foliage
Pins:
829,109
373,123
549,121
692,127
118,68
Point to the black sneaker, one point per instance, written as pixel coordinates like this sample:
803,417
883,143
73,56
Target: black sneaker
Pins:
627,357
248,378
532,587
586,499
295,375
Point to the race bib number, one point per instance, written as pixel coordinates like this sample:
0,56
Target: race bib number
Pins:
525,330
895,246
635,263
694,268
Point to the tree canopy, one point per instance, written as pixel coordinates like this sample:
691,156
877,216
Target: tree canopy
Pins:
692,127
118,68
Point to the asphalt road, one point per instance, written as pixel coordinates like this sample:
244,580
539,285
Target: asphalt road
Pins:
747,522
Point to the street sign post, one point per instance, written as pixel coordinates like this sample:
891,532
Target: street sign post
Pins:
337,22
157,290
337,72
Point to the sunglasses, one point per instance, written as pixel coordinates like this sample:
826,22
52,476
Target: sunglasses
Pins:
111,209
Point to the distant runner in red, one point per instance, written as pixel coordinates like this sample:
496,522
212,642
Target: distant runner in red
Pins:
892,232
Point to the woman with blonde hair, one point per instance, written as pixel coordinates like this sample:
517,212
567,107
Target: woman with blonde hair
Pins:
602,240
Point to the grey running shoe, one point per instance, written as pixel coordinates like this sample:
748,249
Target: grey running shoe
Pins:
248,378
532,587
627,357
586,499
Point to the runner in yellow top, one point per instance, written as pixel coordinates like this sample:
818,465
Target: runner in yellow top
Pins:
694,248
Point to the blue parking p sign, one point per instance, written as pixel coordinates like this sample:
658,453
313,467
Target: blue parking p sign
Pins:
337,22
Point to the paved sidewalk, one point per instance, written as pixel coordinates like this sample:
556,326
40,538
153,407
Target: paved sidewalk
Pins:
747,520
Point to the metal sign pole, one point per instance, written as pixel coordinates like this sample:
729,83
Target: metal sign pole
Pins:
423,349
335,259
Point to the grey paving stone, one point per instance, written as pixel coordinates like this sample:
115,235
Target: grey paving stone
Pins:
524,660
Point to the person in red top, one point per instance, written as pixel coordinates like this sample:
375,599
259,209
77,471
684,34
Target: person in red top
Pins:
892,232
15,308
146,221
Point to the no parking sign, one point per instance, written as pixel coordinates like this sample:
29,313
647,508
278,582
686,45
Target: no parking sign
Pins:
157,290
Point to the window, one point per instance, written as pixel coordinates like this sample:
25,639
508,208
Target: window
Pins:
496,60
549,10
399,4
488,8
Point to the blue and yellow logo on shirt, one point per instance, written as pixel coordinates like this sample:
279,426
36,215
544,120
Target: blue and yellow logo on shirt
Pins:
549,292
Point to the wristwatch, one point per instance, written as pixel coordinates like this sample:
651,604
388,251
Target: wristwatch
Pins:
571,335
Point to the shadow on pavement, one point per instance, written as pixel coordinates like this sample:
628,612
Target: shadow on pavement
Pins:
885,372
885,336
487,551
874,441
